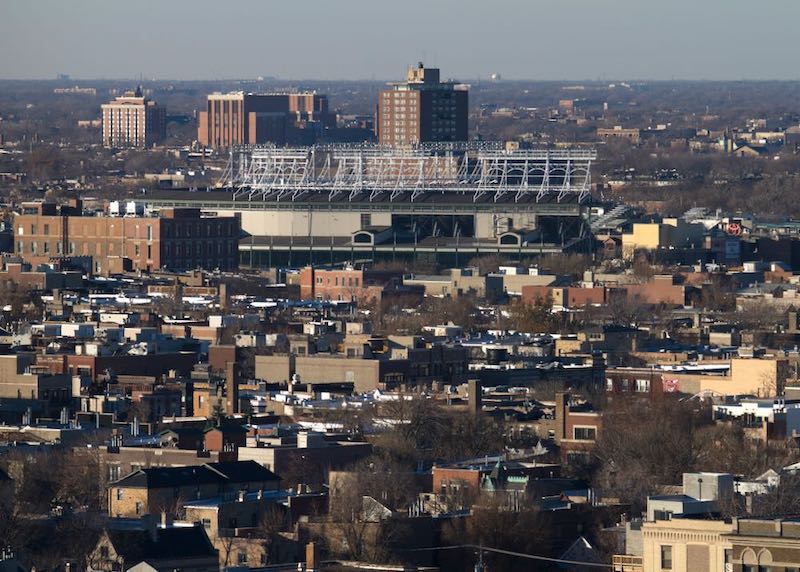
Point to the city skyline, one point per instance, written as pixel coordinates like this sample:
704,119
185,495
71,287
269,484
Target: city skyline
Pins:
614,40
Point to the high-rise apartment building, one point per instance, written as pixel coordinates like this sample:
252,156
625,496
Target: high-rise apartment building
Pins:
240,118
422,109
133,120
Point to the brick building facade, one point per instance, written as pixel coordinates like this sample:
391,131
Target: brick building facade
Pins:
422,109
179,239
240,118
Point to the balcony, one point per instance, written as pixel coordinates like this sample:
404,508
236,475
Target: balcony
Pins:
627,563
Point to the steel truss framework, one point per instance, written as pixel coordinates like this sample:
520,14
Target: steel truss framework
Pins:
374,172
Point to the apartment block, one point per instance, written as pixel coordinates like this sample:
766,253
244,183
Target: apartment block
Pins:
240,118
422,109
134,121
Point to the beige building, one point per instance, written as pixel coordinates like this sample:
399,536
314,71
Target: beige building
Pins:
133,120
20,379
618,132
669,232
685,545
765,544
764,377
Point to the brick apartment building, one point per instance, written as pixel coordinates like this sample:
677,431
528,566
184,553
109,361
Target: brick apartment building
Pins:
577,426
422,109
240,118
179,239
346,284
133,121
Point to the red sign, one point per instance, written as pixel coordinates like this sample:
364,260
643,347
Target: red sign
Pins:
735,229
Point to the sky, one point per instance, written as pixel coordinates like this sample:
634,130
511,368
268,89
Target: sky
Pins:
378,39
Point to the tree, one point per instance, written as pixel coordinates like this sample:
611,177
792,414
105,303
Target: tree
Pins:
530,318
357,498
626,310
527,531
423,431
274,521
642,446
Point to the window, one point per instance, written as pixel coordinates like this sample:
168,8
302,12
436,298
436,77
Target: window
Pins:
113,472
72,248
206,523
46,229
242,558
585,433
643,385
120,494
46,247
149,232
138,507
666,557
136,249
104,552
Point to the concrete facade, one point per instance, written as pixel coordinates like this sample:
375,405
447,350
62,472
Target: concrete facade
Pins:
689,545
133,121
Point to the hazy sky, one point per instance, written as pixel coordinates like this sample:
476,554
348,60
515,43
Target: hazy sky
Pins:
377,39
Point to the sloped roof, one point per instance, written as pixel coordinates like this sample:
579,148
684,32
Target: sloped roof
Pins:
163,477
243,471
232,472
170,543
582,551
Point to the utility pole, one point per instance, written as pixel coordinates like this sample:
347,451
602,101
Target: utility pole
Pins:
479,566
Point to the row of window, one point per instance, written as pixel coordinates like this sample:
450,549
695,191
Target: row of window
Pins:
640,385
200,229
349,281
180,250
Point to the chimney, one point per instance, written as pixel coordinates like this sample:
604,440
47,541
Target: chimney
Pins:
562,410
232,387
150,525
224,300
475,395
312,556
